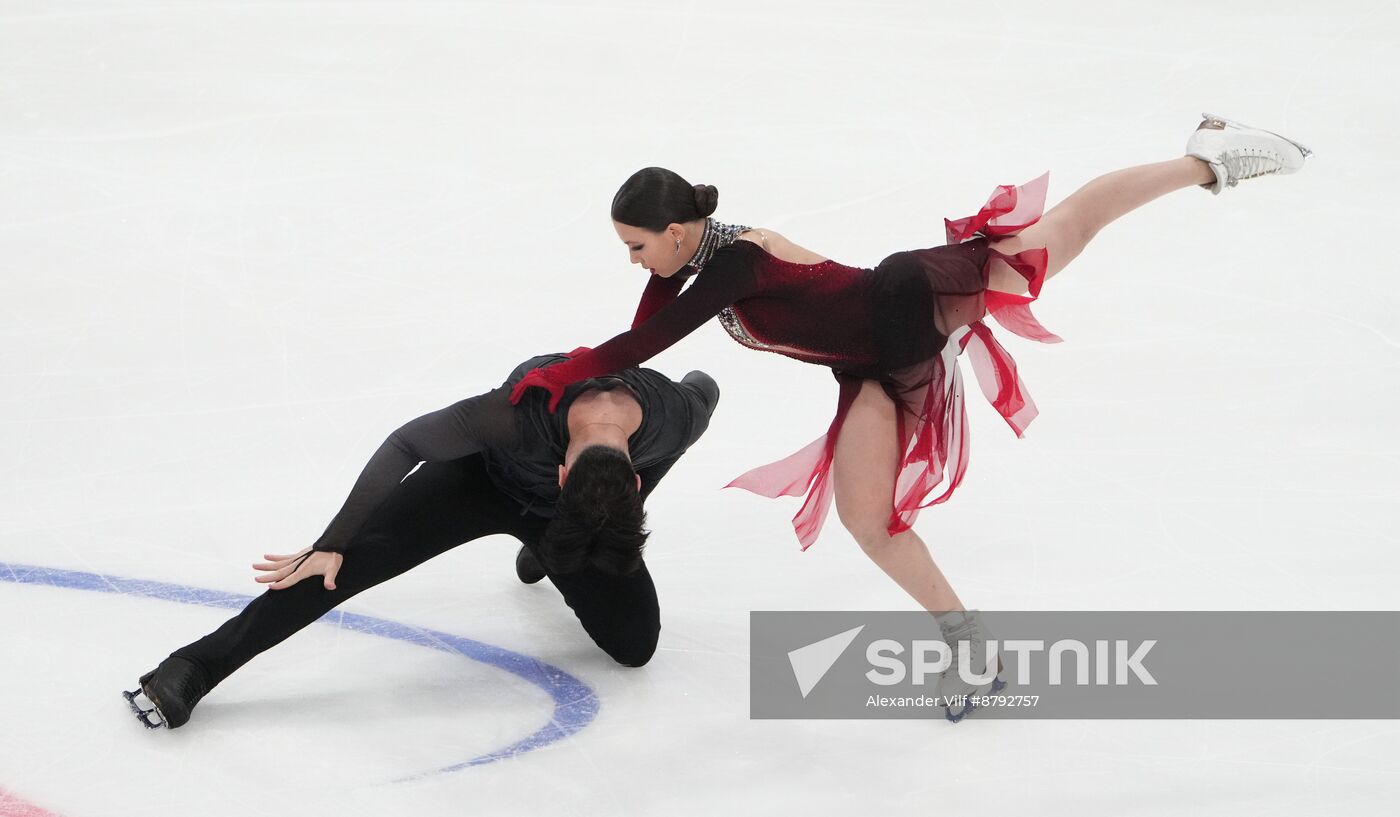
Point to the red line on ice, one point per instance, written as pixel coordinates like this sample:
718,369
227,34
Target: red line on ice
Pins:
12,806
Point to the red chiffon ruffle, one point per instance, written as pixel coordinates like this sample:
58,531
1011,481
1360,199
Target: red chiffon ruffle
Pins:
936,449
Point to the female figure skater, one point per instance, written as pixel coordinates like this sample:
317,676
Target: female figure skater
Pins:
891,336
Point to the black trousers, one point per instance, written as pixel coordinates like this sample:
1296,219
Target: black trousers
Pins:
436,508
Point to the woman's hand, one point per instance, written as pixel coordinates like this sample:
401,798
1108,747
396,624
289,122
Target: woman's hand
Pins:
538,378
285,571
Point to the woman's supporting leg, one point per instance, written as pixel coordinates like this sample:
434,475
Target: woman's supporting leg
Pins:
866,459
1068,226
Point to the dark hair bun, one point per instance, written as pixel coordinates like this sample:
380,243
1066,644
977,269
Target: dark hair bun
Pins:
654,197
706,199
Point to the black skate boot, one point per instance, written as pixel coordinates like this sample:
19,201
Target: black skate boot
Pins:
527,567
173,689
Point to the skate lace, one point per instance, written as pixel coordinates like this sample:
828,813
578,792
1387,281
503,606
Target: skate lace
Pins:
967,631
1248,163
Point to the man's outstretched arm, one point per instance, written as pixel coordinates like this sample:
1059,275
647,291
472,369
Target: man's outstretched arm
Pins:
461,429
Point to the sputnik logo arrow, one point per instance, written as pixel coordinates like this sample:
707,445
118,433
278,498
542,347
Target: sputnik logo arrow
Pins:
811,663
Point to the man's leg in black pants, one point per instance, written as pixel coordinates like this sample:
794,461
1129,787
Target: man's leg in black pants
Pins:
620,613
434,509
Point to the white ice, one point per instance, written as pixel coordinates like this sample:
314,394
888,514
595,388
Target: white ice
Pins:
241,243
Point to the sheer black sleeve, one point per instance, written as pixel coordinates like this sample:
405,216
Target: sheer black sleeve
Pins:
659,292
461,429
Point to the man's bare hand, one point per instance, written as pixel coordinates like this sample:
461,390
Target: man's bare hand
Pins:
285,571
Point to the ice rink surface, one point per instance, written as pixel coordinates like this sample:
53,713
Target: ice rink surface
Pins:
241,243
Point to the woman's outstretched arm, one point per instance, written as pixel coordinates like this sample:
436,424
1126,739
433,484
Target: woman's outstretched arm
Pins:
729,277
658,293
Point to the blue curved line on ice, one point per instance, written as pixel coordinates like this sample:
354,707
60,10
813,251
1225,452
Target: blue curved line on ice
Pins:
575,704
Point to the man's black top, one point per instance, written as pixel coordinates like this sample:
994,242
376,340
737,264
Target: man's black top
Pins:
523,444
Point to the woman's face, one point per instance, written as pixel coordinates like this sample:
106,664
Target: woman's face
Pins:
656,252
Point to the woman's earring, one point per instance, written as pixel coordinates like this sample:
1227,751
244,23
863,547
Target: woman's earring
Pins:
678,247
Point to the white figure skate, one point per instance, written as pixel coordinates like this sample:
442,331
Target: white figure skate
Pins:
1237,152
967,637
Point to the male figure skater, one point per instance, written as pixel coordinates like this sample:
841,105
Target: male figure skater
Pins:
569,485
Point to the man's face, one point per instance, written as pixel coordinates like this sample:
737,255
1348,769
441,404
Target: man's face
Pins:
608,383
597,395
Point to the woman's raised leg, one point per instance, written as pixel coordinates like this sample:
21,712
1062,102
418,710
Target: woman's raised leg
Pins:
866,458
1068,226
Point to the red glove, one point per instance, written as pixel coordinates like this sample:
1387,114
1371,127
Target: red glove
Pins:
547,378
539,378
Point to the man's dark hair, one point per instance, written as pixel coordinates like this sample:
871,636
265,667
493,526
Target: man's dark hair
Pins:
599,517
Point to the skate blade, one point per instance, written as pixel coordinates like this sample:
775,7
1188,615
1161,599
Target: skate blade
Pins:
954,717
144,714
1304,149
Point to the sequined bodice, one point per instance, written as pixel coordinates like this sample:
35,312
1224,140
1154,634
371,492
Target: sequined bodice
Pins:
798,277
818,313
718,234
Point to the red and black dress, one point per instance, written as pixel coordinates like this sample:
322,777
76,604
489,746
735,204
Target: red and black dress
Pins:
873,324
